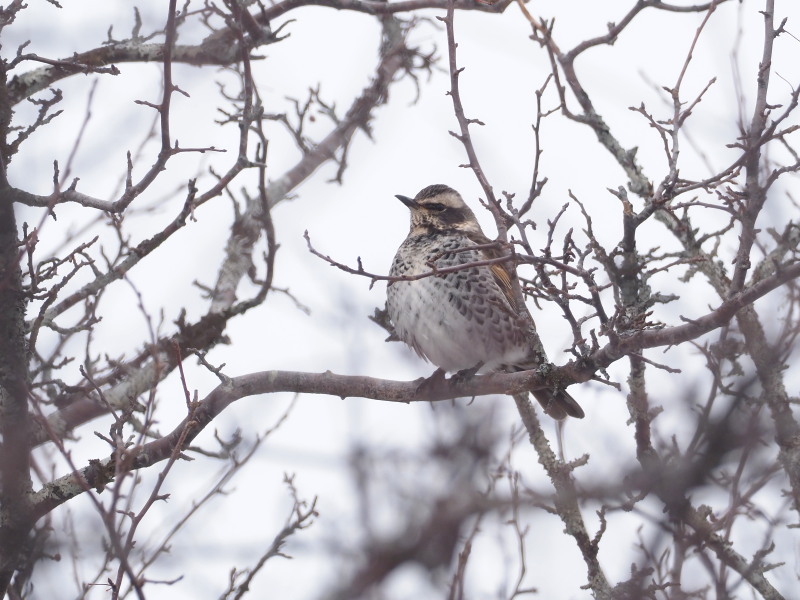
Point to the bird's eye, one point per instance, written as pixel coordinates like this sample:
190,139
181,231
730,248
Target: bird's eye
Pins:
435,206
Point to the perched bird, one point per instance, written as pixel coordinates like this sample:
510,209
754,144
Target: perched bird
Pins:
466,319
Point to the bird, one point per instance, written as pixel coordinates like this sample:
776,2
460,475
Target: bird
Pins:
466,320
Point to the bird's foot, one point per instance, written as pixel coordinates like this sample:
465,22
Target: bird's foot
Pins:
426,386
464,375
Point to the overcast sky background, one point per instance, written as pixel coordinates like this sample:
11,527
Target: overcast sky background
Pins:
411,148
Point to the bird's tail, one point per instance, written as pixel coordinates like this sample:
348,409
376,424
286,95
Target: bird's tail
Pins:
559,404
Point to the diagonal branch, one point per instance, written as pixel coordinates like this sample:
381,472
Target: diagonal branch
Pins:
154,363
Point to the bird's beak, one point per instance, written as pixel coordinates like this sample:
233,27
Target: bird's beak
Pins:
409,202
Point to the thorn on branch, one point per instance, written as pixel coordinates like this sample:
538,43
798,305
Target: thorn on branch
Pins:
201,358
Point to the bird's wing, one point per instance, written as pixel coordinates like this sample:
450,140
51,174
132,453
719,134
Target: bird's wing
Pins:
502,272
503,278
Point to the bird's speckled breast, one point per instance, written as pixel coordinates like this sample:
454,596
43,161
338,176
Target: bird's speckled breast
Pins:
456,320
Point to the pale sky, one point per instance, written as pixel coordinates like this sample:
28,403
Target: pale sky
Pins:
411,148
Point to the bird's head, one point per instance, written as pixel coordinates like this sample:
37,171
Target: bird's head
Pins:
440,208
